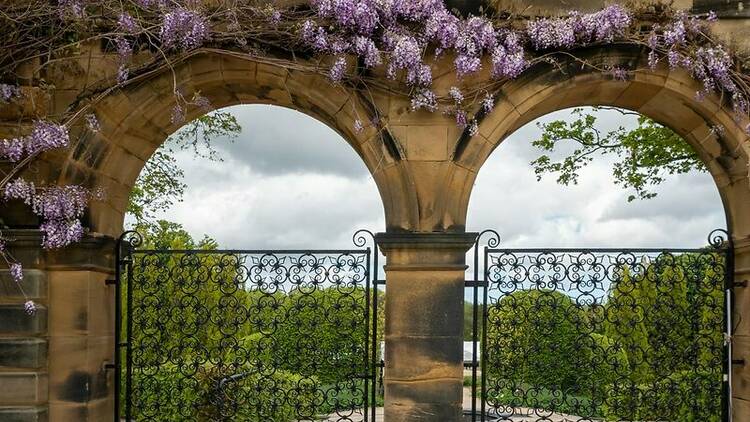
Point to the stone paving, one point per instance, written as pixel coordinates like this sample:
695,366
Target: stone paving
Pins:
521,414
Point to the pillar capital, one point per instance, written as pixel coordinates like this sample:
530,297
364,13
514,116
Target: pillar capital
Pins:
425,240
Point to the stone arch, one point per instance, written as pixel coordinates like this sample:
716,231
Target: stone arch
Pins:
137,120
667,96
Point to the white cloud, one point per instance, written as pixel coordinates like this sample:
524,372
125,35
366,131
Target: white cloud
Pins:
313,196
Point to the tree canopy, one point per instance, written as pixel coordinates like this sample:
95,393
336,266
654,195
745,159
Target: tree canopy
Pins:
645,155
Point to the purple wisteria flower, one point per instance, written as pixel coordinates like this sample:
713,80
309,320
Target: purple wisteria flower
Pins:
676,33
406,54
201,102
61,202
127,24
30,307
184,29
12,149
473,128
619,73
315,36
456,95
60,233
60,208
366,48
442,28
604,25
93,123
274,18
8,93
16,271
508,58
45,136
653,59
421,76
73,8
336,73
488,103
461,119
19,189
122,74
424,99
178,114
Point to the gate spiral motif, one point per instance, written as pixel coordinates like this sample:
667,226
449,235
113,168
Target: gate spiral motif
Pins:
604,334
220,335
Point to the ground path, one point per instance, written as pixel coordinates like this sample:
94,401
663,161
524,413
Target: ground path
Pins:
521,414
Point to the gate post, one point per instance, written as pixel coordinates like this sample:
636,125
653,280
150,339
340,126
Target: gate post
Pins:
425,275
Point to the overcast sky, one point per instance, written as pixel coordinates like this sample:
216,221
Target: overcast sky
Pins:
289,181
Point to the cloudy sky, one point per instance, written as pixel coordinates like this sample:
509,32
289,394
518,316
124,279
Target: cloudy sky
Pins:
288,181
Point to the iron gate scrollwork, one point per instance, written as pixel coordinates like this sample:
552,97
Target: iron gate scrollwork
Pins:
602,334
245,335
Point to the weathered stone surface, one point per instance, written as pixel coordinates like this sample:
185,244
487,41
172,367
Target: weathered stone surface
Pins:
424,328
15,320
20,352
23,414
23,388
34,285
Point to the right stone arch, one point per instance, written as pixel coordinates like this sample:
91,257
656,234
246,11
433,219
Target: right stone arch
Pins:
666,95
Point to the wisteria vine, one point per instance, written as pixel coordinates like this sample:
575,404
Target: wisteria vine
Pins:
404,38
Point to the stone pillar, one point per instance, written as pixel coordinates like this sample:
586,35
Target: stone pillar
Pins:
424,325
52,364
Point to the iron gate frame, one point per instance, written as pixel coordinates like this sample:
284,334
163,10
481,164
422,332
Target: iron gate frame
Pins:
127,245
719,241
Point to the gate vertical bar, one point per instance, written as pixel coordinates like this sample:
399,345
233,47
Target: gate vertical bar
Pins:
474,333
729,304
367,376
483,345
129,335
375,363
118,328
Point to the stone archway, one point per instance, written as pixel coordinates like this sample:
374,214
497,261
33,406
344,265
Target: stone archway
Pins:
667,96
71,379
424,168
136,121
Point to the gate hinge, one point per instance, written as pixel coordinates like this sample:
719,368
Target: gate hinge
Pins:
742,283
740,362
110,281
109,365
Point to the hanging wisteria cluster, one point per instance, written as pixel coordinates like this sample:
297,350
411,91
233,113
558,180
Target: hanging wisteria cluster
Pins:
356,40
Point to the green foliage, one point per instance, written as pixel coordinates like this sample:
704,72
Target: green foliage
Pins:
685,396
645,155
160,184
528,333
298,353
652,351
177,395
469,321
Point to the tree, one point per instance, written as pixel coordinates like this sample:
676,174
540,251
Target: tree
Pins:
160,184
534,337
646,155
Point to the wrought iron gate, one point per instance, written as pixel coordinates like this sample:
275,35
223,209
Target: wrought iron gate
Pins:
602,334
246,335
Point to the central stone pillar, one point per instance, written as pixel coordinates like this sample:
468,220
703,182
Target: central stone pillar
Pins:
424,325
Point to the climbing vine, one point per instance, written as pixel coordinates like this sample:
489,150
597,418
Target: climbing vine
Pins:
361,44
